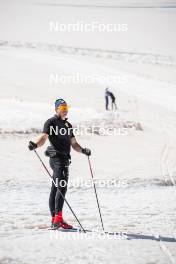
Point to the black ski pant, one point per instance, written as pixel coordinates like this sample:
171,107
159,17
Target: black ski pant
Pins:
60,177
106,102
114,104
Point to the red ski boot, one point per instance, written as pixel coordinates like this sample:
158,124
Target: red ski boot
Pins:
60,223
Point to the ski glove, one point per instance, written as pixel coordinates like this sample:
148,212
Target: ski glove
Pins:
86,151
32,145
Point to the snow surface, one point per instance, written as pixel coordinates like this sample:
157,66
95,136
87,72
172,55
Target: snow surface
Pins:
142,163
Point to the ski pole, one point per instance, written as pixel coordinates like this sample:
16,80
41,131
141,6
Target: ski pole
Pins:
59,191
96,193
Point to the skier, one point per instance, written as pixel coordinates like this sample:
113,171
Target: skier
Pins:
60,134
113,99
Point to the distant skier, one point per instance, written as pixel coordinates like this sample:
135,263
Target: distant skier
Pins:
113,99
60,134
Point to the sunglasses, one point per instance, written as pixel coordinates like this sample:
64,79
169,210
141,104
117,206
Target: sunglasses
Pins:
63,107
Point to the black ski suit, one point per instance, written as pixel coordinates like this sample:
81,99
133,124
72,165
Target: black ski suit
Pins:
60,163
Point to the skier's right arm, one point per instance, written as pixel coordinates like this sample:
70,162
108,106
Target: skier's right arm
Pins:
42,139
40,142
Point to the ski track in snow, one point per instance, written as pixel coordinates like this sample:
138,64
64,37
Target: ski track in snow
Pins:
149,58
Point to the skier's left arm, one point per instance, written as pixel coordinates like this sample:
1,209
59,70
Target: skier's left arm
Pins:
78,148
